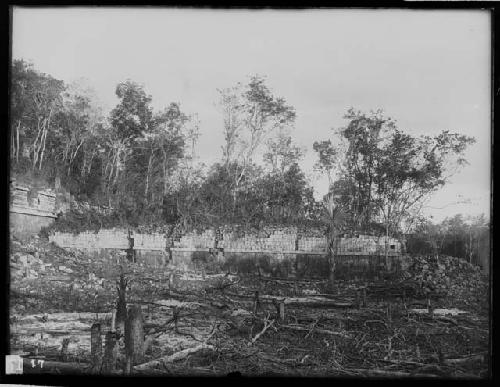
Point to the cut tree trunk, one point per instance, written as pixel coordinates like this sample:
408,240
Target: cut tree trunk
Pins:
96,346
134,336
110,353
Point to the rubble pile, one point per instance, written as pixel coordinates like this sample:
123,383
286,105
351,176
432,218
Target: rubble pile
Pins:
44,276
36,259
451,277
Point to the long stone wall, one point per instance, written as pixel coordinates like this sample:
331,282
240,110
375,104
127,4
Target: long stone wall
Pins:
280,240
279,251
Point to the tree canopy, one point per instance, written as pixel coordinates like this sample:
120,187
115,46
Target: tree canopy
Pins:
387,173
140,162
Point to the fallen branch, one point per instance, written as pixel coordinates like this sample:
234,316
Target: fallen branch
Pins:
172,358
396,374
323,331
310,302
178,355
464,360
267,324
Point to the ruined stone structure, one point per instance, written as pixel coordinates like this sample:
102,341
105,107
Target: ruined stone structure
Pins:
30,209
282,250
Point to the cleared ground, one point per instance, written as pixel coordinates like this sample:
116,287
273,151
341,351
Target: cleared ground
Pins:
213,324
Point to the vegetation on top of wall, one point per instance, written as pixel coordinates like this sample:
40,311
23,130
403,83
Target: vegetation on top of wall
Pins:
141,163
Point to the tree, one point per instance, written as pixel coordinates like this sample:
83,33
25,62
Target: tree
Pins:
142,148
231,104
133,115
35,100
250,114
77,124
390,172
327,158
456,236
281,153
335,219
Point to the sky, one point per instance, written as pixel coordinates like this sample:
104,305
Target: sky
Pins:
430,70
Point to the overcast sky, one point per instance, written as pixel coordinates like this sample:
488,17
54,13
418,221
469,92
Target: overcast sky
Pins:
429,70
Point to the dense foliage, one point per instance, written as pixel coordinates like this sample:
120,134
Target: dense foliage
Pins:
467,238
387,174
141,163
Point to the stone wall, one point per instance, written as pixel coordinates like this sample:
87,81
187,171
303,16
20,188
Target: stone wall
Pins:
30,209
24,225
277,251
281,240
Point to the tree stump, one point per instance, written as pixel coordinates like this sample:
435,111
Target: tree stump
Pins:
64,349
134,337
256,304
95,346
110,353
282,310
121,307
175,318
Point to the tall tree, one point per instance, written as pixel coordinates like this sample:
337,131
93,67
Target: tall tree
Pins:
390,172
35,100
133,114
76,126
327,159
250,114
334,217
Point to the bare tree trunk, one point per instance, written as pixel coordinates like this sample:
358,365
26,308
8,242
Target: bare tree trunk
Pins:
42,145
147,175
165,182
332,255
386,243
35,150
90,163
47,126
72,158
84,166
17,137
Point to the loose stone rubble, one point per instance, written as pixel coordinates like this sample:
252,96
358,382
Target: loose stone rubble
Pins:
450,277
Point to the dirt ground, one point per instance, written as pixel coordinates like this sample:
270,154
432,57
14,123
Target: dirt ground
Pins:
198,323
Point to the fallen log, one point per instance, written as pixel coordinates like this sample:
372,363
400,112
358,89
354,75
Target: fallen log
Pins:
319,330
52,317
317,303
306,280
178,355
172,358
310,302
464,360
61,278
394,374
